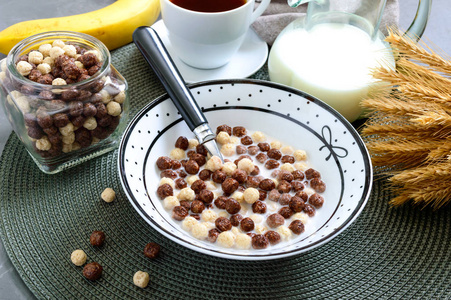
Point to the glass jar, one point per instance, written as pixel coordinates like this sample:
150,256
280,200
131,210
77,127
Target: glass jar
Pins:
63,98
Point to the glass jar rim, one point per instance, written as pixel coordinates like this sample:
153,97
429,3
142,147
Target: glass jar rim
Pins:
49,35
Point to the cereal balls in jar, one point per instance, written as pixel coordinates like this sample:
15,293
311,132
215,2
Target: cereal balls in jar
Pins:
63,98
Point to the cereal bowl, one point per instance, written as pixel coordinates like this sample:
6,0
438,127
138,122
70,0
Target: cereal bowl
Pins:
333,147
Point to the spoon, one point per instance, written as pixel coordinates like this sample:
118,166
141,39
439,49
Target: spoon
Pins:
152,48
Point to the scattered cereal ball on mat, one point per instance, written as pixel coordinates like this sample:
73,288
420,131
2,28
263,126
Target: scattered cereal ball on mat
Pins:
92,271
141,279
151,250
226,239
108,195
97,238
78,257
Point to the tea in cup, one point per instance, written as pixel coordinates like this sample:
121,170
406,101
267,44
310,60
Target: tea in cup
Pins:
205,34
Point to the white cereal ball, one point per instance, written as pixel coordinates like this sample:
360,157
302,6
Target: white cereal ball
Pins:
300,155
256,218
223,138
224,214
287,167
108,195
58,43
176,153
105,96
276,145
226,239
67,148
243,241
228,167
141,279
188,223
260,229
228,149
246,165
168,181
43,144
191,178
199,231
120,98
70,50
210,185
35,57
45,49
309,191
3,65
235,140
65,130
302,216
208,215
251,195
113,108
186,194
287,150
258,137
301,166
238,196
48,60
59,81
23,103
170,202
79,64
24,68
90,123
192,143
78,257
235,230
285,232
44,68
213,164
56,52
69,138
276,182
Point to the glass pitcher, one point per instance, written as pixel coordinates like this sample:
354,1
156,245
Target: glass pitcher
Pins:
330,52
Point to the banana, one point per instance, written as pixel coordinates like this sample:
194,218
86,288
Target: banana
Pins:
113,24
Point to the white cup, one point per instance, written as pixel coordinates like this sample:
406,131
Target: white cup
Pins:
208,40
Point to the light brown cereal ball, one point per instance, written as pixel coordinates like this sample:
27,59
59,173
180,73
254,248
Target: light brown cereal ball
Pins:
120,98
191,179
287,167
78,257
45,49
168,181
108,195
242,240
258,137
56,52
70,50
302,216
238,196
141,279
228,167
79,64
176,153
228,149
192,143
49,61
246,165
67,148
35,57
256,218
288,150
44,68
301,166
59,81
208,215
251,195
285,232
43,144
170,202
223,138
69,138
186,194
260,229
226,239
58,43
213,164
23,103
113,108
300,155
200,231
188,223
105,96
276,145
90,123
24,68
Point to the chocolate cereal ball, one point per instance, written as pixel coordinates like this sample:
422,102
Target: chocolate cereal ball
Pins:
297,227
213,235
285,212
273,237
267,184
179,213
191,167
247,224
223,224
296,204
311,173
206,196
316,200
151,250
163,162
197,206
205,174
198,186
220,202
318,185
218,176
236,219
92,271
232,206
309,210
229,185
259,207
182,143
259,241
97,238
275,220
225,128
239,131
165,190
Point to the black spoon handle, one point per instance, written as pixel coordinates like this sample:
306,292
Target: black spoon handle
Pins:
156,55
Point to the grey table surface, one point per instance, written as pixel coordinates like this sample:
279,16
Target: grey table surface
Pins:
438,34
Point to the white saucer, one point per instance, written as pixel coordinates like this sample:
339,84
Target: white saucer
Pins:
249,59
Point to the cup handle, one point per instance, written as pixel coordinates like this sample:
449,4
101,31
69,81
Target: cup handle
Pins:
260,9
416,29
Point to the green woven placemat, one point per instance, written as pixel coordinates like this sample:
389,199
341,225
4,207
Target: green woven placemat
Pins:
386,254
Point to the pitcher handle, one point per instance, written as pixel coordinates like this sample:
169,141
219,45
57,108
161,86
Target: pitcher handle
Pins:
416,29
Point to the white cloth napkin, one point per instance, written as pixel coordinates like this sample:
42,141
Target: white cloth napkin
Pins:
279,14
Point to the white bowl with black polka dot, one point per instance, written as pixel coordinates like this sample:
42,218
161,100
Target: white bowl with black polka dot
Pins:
334,148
